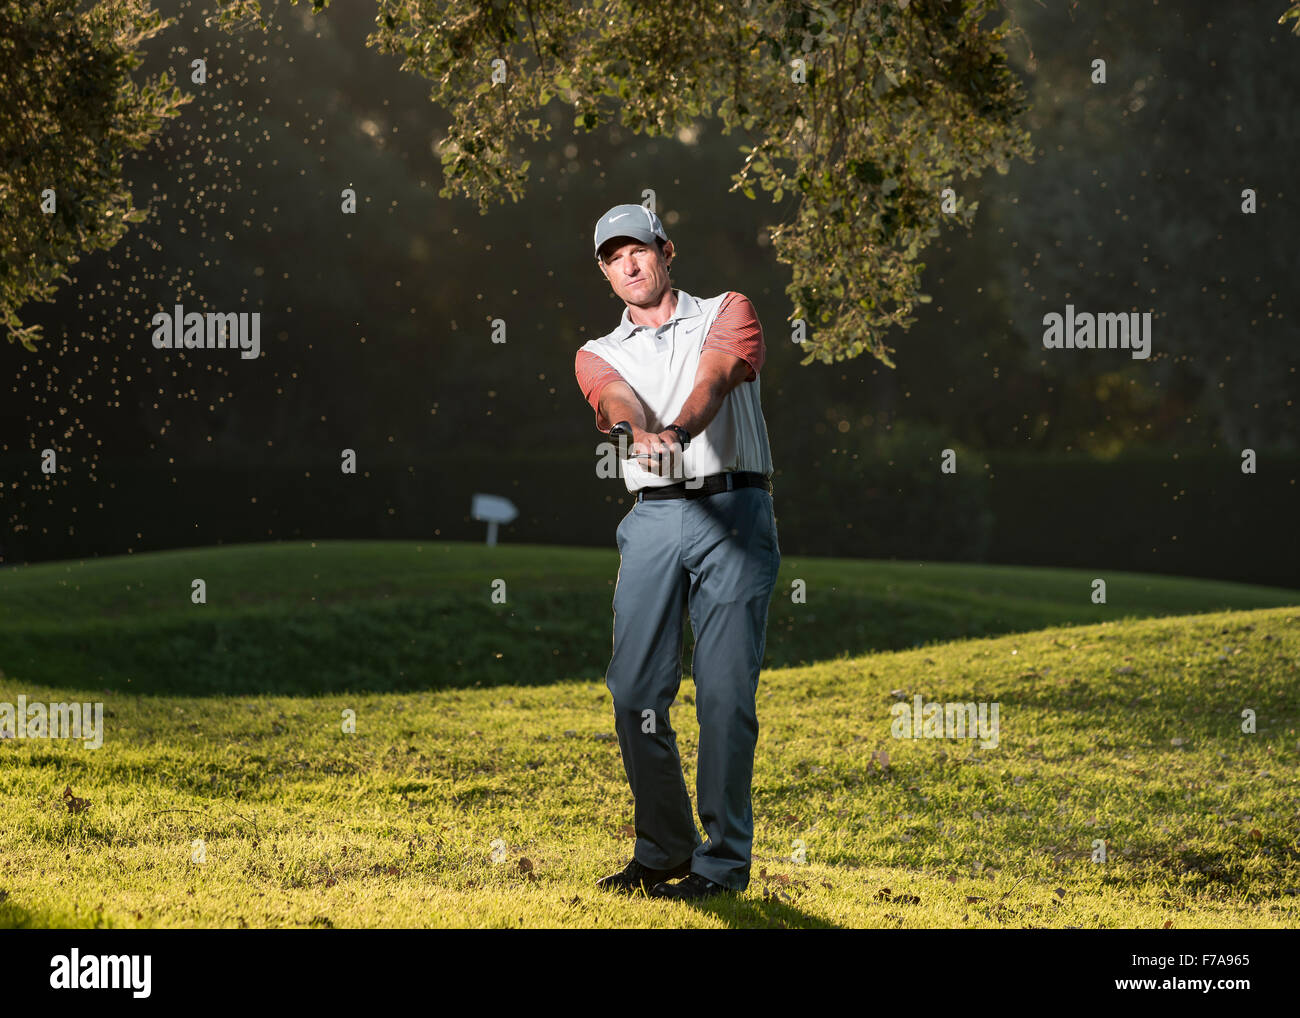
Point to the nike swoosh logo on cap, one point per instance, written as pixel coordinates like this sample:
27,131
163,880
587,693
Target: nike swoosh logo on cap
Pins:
612,218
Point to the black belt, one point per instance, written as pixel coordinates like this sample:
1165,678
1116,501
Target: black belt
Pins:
713,484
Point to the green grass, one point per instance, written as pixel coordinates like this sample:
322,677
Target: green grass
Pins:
333,616
1119,722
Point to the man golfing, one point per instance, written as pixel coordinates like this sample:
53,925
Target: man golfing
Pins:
679,378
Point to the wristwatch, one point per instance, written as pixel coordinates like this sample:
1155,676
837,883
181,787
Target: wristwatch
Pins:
683,436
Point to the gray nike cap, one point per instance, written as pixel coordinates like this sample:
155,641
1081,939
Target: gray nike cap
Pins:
635,221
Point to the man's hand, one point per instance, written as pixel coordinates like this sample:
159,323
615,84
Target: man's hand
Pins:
660,453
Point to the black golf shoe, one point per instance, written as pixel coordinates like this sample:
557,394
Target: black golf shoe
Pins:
635,877
690,889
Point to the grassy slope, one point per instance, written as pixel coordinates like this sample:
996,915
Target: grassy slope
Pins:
309,618
395,825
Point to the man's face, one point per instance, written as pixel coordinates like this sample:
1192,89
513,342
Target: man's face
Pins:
637,272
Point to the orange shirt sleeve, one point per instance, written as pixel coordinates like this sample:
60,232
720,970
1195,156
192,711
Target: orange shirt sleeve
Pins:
594,373
736,331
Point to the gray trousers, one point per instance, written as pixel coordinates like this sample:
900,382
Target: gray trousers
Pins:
717,556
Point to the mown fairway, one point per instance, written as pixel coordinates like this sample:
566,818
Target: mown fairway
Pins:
483,785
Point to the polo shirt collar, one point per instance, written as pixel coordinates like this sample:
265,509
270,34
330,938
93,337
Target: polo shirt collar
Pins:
687,307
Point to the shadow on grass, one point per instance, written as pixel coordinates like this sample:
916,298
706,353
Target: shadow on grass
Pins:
417,644
748,913
17,917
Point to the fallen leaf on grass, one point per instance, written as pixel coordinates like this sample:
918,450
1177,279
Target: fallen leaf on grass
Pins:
627,831
884,894
525,866
74,804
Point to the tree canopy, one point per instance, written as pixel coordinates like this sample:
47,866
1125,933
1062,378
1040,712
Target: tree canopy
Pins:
69,112
860,114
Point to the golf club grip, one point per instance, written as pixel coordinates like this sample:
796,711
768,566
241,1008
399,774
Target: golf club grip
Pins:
625,428
618,431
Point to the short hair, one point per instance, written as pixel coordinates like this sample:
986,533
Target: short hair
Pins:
659,242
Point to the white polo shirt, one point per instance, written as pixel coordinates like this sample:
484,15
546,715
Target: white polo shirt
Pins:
660,365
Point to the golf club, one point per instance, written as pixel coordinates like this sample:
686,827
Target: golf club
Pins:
624,429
